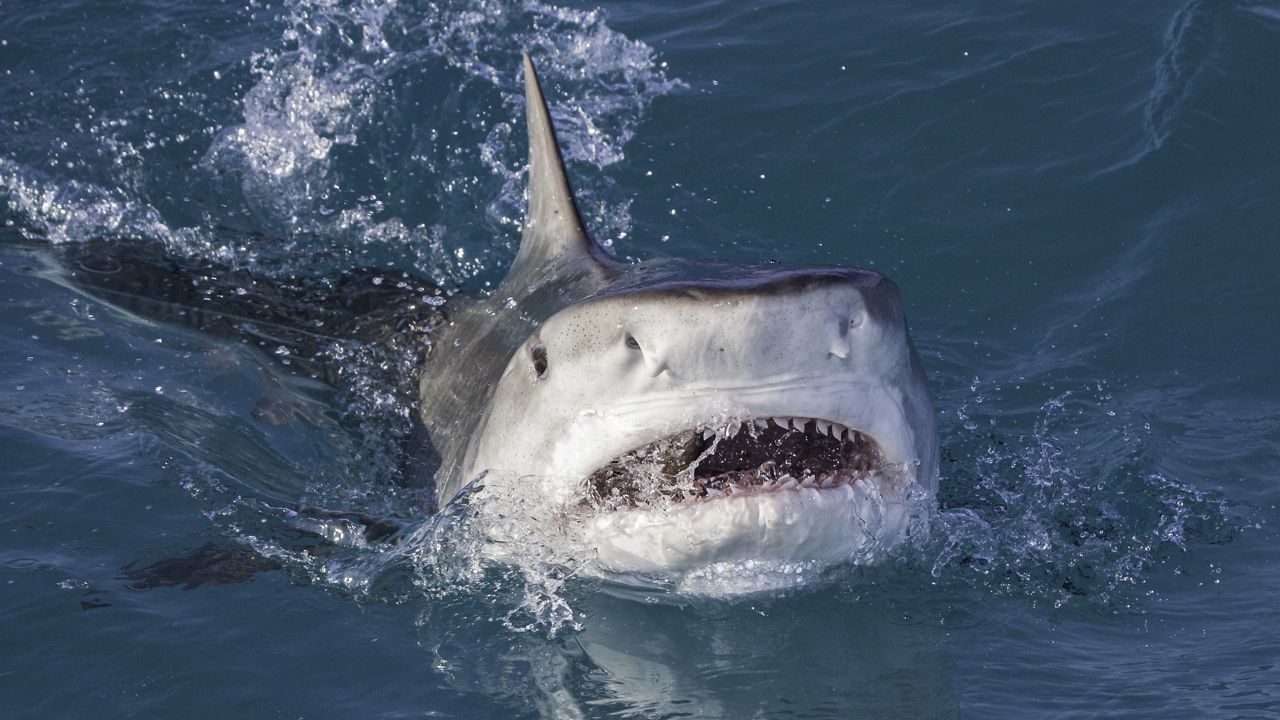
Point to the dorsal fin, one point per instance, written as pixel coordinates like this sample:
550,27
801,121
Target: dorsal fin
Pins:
553,230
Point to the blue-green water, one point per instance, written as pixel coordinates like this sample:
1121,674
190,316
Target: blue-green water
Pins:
1080,202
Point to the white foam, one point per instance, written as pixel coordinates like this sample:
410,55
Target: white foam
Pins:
318,89
68,211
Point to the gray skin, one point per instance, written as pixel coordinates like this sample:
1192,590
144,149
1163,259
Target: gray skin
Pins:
635,352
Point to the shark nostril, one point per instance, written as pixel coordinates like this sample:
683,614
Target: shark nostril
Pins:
633,343
840,342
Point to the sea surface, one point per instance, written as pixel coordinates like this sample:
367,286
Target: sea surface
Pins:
1080,202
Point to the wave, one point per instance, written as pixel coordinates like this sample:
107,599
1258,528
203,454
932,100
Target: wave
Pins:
1190,40
368,132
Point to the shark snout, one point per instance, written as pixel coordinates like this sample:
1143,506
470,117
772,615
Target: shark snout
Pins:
806,325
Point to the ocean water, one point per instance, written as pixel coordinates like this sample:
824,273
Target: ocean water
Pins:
1079,201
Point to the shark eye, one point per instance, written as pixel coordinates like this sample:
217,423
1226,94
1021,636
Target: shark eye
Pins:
633,343
539,354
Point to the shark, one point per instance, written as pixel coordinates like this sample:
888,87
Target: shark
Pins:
684,413
673,414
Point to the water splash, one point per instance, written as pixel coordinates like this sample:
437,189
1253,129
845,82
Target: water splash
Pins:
338,81
529,549
366,132
1048,516
44,207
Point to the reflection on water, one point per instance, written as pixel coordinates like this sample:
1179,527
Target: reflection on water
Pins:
763,659
804,656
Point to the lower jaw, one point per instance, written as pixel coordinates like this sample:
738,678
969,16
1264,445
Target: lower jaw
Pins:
810,526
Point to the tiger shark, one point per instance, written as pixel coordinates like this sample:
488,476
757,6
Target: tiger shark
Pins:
679,414
682,412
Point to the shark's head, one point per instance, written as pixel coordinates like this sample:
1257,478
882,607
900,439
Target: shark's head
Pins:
693,413
760,417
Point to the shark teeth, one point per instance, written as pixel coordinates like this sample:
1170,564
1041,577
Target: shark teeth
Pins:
735,459
824,427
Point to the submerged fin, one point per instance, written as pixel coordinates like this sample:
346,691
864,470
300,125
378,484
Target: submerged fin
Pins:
553,228
305,316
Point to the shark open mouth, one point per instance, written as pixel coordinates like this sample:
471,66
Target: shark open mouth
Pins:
748,457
